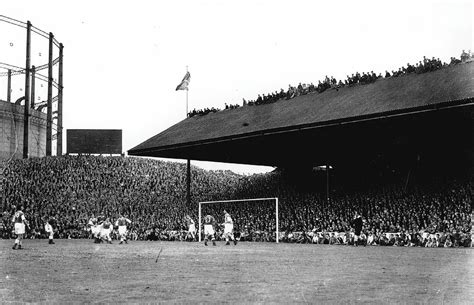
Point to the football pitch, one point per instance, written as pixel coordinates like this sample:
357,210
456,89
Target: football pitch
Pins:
79,271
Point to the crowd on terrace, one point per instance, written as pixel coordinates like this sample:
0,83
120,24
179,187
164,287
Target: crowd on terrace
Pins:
72,188
152,194
423,66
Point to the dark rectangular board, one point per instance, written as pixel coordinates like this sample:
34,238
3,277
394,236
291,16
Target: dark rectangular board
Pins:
94,141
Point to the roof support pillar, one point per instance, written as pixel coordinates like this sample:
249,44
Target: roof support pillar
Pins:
188,183
327,181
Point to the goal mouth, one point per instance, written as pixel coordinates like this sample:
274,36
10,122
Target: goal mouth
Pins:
253,202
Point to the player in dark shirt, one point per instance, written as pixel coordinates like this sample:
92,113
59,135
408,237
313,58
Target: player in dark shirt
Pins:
20,223
209,223
357,225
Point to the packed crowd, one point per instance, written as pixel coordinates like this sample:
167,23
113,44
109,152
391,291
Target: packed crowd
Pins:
152,194
72,188
423,66
430,216
205,111
202,112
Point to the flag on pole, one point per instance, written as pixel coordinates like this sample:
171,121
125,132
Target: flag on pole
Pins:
185,82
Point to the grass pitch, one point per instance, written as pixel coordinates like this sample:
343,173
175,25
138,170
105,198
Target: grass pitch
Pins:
79,271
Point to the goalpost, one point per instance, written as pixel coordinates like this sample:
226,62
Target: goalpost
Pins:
240,200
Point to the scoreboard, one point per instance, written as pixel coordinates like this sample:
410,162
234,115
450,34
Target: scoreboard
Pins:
94,141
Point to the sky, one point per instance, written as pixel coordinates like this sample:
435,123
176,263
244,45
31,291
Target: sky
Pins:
124,59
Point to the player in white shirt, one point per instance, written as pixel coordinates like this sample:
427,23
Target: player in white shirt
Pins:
95,229
48,227
191,227
121,223
20,222
229,228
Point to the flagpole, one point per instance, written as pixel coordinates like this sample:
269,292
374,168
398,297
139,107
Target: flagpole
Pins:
188,163
187,89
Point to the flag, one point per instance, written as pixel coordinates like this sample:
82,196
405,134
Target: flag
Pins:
185,82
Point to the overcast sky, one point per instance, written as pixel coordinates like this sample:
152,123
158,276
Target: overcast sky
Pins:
124,59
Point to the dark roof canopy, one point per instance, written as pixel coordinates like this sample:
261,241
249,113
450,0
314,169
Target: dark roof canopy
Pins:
317,126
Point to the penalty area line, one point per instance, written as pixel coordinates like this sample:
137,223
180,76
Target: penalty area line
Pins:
156,261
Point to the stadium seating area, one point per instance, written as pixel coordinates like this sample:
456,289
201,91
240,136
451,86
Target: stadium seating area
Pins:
423,66
70,189
153,195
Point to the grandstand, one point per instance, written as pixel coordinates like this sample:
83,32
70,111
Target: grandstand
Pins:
393,134
400,114
383,153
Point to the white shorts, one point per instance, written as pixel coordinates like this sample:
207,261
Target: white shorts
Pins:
208,230
122,230
95,230
105,232
228,227
19,228
192,228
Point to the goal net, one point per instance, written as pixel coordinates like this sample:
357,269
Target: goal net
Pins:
250,216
